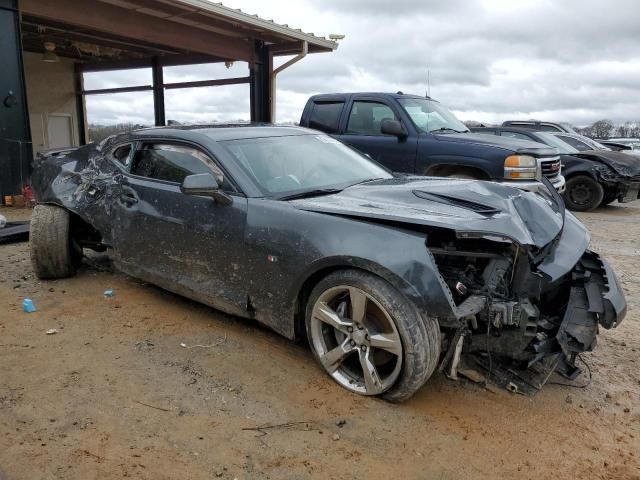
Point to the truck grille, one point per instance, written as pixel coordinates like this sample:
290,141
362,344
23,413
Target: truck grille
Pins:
550,167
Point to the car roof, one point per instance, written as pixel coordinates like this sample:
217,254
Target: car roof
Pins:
335,96
228,131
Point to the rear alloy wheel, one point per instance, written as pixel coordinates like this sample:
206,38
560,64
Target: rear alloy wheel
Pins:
368,337
583,193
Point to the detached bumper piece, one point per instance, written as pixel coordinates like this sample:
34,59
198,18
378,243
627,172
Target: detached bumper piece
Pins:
552,345
14,232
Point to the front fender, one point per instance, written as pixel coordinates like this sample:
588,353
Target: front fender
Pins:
292,238
431,164
419,281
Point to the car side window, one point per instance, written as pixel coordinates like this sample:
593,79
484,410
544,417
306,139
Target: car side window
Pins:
519,136
172,163
122,154
325,116
574,142
365,118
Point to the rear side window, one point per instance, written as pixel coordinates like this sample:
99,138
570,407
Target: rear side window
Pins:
172,162
122,154
325,116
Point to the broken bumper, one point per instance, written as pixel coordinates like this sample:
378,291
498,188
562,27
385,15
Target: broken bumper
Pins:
628,191
545,344
626,188
595,299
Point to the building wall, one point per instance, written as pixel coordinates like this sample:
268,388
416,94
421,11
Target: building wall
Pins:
51,101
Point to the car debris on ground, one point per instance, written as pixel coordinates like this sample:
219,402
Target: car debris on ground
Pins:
28,306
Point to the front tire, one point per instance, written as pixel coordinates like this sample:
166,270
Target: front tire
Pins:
53,253
583,193
369,337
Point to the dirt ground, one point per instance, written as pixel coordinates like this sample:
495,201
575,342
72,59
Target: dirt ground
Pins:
149,385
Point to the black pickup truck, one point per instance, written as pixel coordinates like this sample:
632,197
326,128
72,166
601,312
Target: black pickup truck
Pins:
414,134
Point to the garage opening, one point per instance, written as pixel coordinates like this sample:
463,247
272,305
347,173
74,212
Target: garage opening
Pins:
186,61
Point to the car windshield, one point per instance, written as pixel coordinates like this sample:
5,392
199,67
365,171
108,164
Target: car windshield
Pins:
431,117
553,141
295,164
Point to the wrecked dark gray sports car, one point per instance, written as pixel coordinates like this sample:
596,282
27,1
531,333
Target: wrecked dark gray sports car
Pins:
387,277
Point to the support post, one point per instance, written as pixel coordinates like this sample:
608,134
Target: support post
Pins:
260,83
15,133
158,92
81,111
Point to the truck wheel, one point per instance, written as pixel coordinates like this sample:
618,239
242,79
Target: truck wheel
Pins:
369,337
583,193
463,176
53,252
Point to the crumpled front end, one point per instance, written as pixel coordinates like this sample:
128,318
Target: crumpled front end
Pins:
624,188
519,322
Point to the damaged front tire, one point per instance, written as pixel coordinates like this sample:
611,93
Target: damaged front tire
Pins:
53,252
369,337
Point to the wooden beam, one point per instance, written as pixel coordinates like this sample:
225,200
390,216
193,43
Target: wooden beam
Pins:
208,83
107,18
103,91
165,61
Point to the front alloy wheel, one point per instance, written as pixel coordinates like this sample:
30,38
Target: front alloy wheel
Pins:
369,337
356,340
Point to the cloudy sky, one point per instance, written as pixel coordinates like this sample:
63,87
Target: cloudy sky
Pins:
489,60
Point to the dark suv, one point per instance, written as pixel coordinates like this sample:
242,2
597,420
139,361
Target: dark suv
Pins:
413,134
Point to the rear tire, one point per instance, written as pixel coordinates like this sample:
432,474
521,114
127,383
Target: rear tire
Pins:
53,252
583,193
402,345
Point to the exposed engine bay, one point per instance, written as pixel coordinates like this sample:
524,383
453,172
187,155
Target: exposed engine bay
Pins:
515,326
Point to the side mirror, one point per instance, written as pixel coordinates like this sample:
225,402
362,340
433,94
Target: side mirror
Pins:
392,127
204,184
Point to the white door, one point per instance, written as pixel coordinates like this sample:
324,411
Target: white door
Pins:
60,130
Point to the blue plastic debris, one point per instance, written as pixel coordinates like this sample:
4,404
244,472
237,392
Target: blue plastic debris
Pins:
28,306
109,293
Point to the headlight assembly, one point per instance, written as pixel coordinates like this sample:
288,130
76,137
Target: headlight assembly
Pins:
520,167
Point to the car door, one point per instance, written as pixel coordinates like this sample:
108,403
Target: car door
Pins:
362,131
185,243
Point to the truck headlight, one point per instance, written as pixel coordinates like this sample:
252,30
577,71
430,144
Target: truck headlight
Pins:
520,167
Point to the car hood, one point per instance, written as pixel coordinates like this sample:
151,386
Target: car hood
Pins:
523,147
474,209
622,163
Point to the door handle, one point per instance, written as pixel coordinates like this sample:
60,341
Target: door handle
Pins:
128,198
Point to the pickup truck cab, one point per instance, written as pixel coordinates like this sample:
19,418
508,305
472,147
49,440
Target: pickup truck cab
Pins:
414,134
